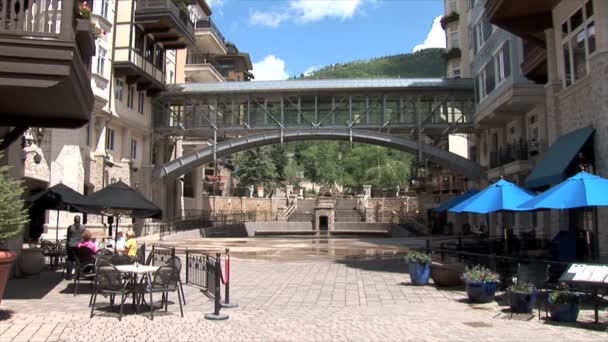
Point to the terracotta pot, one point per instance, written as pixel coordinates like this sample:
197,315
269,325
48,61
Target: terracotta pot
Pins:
447,274
6,265
31,261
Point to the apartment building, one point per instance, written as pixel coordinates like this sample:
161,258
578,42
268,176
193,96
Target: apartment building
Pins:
135,55
565,53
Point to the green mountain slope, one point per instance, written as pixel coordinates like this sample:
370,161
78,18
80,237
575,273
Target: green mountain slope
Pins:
425,63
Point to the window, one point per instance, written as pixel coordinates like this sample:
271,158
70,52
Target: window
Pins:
454,41
188,185
578,42
501,62
101,60
140,101
171,76
130,96
481,32
110,139
105,6
456,73
149,54
160,58
139,41
485,81
133,149
118,88
452,6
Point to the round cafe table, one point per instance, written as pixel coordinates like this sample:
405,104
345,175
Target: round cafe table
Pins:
136,270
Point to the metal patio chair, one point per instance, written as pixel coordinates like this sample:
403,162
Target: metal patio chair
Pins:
109,281
164,280
177,263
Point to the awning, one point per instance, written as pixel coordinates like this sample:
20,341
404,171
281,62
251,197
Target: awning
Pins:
456,200
551,169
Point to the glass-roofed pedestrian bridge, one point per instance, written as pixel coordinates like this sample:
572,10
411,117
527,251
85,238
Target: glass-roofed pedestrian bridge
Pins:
238,116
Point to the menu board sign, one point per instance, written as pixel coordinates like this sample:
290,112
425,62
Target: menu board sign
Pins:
586,273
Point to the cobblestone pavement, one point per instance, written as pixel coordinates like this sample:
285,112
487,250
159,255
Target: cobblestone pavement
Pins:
319,300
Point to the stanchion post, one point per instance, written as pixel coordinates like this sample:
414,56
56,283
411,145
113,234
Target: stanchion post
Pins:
216,315
226,303
187,264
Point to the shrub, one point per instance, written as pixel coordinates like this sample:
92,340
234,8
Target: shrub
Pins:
481,274
418,257
13,215
521,286
563,296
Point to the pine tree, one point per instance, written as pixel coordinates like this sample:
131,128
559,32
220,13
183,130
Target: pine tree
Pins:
13,215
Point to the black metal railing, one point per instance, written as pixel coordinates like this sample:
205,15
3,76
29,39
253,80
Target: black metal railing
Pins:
207,23
176,8
509,154
199,219
160,255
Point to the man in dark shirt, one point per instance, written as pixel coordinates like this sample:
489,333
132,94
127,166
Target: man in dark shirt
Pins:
74,238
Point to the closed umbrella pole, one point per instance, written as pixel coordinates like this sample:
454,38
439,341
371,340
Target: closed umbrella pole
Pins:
57,229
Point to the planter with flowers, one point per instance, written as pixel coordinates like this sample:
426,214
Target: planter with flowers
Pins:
564,305
419,266
87,31
522,296
481,283
13,217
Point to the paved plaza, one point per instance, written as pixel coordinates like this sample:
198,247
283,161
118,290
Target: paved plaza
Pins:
320,300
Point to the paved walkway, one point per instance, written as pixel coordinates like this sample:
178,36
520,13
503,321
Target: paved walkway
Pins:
319,300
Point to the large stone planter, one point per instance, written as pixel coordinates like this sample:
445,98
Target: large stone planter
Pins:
6,265
31,261
447,274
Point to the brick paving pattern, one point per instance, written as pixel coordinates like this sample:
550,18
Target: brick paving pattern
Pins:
319,300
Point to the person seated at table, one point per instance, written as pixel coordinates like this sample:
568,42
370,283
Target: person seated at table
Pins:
120,243
87,241
131,245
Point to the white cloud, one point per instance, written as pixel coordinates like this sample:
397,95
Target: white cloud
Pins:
270,19
310,69
215,3
270,68
315,10
306,11
435,38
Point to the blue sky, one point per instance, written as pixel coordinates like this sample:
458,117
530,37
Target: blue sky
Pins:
289,37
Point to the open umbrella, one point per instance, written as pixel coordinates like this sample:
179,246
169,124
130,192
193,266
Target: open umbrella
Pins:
119,199
500,196
58,197
456,200
579,191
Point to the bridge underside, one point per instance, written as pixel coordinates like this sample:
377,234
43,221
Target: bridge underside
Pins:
191,161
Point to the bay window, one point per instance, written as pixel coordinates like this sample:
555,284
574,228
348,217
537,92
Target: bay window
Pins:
578,42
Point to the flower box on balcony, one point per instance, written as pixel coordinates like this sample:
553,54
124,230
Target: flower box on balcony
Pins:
448,18
85,37
453,53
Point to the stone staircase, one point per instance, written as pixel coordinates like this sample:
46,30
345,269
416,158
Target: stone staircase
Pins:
346,210
304,211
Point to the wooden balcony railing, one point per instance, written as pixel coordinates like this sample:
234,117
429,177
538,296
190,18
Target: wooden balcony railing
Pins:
38,18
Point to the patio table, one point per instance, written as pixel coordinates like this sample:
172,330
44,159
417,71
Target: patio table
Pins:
134,270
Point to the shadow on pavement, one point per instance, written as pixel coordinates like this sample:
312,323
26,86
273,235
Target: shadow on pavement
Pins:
395,265
33,287
6,315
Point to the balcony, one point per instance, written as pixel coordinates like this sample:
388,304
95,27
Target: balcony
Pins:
527,19
45,68
209,39
510,160
508,102
534,65
202,68
167,21
449,18
147,73
453,53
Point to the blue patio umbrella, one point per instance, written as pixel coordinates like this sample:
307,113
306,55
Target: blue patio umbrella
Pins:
456,200
500,196
580,190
